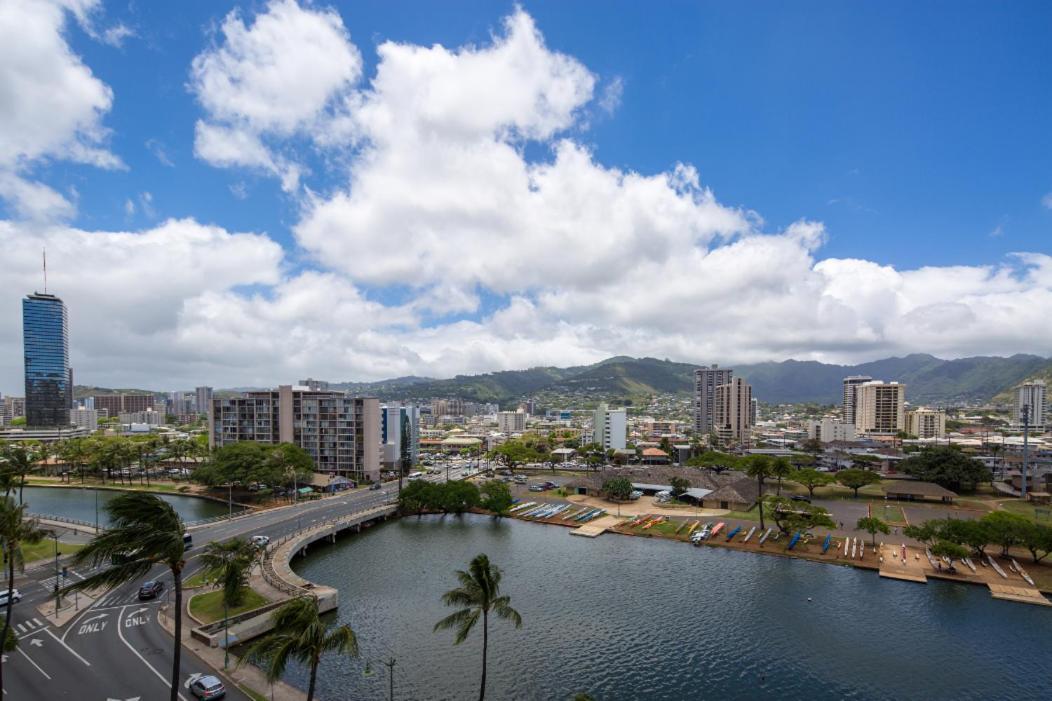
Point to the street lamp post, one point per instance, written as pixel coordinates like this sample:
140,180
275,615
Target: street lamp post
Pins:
54,534
96,511
390,664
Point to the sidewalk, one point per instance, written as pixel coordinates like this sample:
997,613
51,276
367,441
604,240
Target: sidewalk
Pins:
248,675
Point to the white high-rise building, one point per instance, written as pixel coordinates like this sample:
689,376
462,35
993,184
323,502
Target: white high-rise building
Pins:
706,380
926,423
610,428
850,386
1032,396
732,415
880,408
511,421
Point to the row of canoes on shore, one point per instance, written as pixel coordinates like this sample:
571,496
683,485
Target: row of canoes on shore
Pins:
1012,565
565,512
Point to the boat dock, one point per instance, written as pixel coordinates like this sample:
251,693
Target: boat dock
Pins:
916,567
595,528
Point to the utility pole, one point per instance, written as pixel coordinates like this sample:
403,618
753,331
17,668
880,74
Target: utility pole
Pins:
1026,447
54,534
390,664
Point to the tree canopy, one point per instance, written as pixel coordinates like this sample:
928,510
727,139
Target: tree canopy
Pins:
791,516
946,466
857,479
811,479
249,462
618,488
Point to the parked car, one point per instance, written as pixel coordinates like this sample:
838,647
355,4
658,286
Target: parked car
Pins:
800,497
536,487
374,486
261,541
16,596
520,479
207,687
635,494
150,590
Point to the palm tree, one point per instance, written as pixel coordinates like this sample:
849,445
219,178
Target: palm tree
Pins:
759,467
299,634
229,564
18,461
15,529
477,595
145,531
780,468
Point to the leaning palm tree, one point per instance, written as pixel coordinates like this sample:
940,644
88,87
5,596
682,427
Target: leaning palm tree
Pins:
145,531
15,530
16,462
228,565
299,634
477,595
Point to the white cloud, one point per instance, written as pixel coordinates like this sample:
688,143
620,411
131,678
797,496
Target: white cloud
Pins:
572,260
275,77
1046,201
612,94
51,105
160,152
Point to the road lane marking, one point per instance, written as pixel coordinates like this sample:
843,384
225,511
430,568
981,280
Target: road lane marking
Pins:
37,621
120,634
48,676
63,644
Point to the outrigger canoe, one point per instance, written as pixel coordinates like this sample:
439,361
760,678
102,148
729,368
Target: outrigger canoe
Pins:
749,534
730,536
826,542
794,541
693,527
766,535
718,528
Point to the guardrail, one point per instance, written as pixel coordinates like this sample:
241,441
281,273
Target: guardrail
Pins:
65,519
271,576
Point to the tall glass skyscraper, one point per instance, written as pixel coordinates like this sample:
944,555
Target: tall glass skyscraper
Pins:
45,336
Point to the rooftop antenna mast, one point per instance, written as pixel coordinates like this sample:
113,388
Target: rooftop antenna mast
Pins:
45,270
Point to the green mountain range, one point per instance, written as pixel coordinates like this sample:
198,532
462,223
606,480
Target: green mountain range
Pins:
929,380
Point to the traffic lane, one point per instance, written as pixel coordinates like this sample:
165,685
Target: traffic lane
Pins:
41,666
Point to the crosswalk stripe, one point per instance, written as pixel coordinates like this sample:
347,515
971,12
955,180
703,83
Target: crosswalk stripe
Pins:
37,621
20,628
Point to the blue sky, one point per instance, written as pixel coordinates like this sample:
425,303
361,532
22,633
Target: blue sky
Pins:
913,130
907,135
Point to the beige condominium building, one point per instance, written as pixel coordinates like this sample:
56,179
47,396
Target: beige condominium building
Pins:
926,423
341,433
706,380
732,411
880,408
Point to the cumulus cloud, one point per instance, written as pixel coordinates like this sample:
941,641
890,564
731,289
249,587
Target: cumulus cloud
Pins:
273,78
474,231
51,104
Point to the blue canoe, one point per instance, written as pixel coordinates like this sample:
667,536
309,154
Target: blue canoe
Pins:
826,542
792,543
730,536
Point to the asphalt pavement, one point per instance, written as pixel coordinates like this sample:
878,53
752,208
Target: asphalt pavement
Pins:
116,649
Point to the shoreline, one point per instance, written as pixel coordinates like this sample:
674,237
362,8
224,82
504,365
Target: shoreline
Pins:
872,565
110,488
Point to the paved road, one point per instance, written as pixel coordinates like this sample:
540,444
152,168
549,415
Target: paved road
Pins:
116,649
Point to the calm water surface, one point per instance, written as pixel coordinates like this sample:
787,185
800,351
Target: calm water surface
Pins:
80,503
633,618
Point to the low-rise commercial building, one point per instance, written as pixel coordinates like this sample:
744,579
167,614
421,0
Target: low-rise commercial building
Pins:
829,430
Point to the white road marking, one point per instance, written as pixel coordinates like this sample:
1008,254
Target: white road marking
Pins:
71,650
33,663
20,628
160,676
37,621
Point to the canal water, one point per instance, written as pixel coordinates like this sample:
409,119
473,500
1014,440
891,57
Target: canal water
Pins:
632,618
79,503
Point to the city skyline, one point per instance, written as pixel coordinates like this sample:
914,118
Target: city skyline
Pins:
393,208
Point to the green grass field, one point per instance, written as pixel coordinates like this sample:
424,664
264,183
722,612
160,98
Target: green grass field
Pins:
209,607
46,549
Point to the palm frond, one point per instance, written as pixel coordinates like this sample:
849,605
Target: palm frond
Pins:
502,607
343,640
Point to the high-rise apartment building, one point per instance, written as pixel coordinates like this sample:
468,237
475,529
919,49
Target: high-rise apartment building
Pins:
610,428
732,411
1032,396
511,421
341,433
706,380
45,334
117,404
850,388
202,399
880,408
926,423
400,435
315,385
